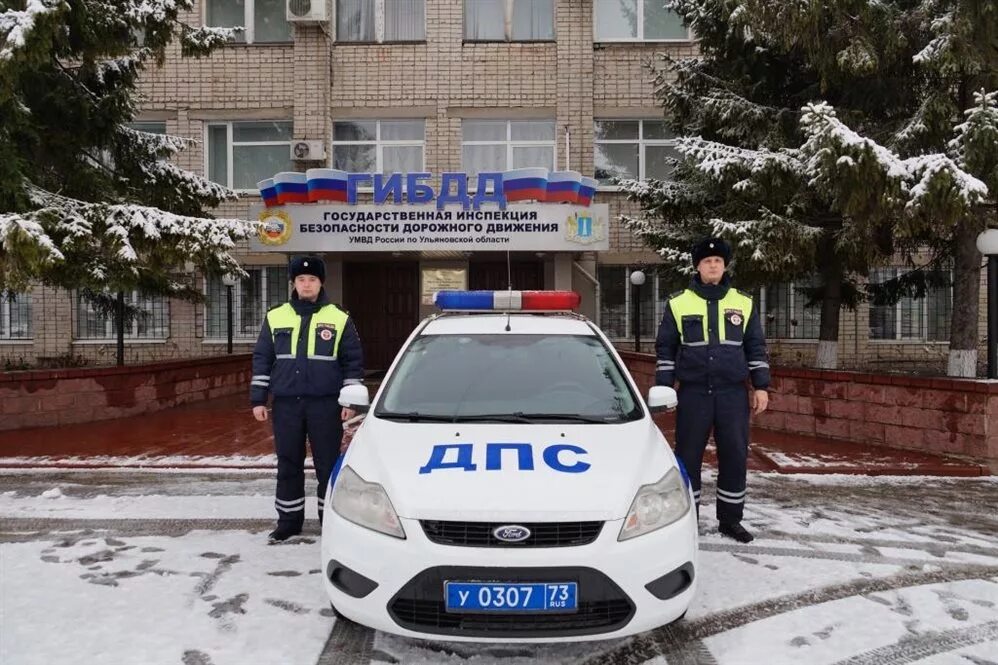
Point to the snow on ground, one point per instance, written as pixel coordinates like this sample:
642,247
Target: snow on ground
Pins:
226,595
125,566
212,462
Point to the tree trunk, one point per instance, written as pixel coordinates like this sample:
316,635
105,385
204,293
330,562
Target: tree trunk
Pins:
966,301
831,306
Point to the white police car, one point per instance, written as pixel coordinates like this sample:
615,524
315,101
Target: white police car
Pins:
508,484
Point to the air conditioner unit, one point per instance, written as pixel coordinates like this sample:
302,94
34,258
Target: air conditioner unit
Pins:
313,11
308,151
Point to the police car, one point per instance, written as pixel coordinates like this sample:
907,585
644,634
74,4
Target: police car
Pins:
508,484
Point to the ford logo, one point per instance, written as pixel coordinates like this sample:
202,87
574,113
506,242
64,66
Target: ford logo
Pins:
511,533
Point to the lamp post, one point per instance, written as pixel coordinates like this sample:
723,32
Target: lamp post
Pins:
229,281
637,279
987,244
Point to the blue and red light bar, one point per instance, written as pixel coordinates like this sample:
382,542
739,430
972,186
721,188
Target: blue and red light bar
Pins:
504,301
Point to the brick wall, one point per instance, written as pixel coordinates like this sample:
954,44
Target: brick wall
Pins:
937,415
59,397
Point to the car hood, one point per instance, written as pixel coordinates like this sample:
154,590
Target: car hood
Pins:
421,468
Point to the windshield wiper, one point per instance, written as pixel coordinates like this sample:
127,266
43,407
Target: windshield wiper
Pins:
520,417
414,417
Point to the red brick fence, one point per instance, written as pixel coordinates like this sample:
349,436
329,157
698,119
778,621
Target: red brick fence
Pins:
59,397
937,415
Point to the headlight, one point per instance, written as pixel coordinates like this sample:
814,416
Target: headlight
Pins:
655,506
366,504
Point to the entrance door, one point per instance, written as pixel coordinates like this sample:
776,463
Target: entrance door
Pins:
492,276
383,299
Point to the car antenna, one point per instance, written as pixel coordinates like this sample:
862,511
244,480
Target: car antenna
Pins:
509,282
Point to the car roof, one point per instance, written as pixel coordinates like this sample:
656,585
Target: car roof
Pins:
519,324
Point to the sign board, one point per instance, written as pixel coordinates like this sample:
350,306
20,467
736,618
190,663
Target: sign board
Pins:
549,227
442,279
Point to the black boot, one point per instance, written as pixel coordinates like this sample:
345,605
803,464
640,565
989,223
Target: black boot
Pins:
735,530
283,532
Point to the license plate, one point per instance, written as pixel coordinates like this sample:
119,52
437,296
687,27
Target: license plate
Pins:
506,597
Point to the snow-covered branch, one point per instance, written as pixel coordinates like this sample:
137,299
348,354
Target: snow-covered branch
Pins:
15,25
718,159
828,137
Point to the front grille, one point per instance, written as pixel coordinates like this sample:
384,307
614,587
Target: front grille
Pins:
419,605
542,534
431,614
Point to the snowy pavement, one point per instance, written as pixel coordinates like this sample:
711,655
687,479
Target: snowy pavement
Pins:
120,566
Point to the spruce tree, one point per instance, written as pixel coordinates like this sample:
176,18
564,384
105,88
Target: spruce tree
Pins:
802,144
86,202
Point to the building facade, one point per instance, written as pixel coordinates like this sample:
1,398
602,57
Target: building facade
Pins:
436,86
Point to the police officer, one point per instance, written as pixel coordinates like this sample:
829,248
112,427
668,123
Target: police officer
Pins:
307,350
711,340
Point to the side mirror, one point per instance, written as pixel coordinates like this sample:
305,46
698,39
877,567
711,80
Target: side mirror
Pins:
356,397
662,398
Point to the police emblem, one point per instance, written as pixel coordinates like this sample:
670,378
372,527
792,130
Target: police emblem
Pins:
326,334
735,316
275,227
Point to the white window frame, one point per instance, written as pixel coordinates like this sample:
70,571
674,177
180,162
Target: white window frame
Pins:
508,26
229,162
5,313
641,141
792,310
641,29
131,335
510,143
655,282
237,301
249,23
380,19
899,337
380,144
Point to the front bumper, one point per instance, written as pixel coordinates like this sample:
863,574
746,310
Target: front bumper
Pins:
624,587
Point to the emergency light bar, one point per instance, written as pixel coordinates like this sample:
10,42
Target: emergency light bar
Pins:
507,300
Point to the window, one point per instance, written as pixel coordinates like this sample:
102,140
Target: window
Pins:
380,20
785,315
508,20
251,298
633,149
501,145
153,323
378,146
617,303
15,315
638,20
241,154
263,20
149,127
925,319
440,375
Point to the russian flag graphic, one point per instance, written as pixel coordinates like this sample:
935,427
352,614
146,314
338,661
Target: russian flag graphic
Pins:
563,187
326,185
525,184
268,192
292,187
586,191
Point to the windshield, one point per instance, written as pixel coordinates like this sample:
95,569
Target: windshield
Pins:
508,378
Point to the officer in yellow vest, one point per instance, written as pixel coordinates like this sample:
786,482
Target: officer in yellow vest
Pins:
711,341
307,350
